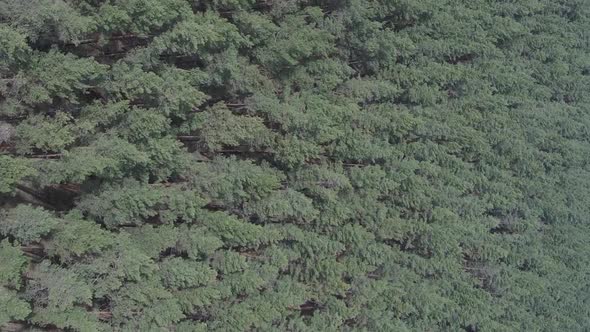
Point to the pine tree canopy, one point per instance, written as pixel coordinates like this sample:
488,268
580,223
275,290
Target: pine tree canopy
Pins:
295,165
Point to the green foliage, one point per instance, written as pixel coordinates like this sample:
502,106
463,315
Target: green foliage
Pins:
45,134
181,273
140,16
14,46
55,75
294,165
12,170
12,265
230,182
11,307
218,128
155,240
145,306
123,262
132,203
57,288
199,34
76,237
107,157
170,91
296,40
197,242
27,224
228,262
46,20
74,318
236,233
283,205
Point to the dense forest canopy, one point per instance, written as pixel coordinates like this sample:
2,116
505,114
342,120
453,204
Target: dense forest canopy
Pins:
295,165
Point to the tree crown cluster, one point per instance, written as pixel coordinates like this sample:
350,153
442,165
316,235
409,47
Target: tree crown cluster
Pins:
295,165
